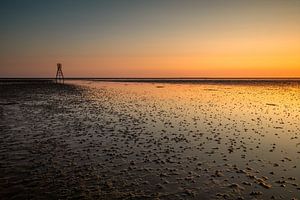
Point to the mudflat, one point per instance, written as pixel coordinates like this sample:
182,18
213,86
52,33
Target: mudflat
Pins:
150,140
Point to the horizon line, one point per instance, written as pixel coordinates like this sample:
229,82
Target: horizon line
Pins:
132,78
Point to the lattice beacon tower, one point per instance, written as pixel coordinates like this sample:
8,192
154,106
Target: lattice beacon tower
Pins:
59,74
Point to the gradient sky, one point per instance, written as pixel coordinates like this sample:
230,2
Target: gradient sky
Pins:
150,38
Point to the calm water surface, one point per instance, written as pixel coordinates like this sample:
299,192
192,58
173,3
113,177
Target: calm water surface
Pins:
156,140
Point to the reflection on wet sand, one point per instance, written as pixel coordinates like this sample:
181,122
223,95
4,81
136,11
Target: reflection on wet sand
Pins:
90,139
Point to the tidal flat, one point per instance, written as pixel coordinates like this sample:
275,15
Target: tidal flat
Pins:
150,140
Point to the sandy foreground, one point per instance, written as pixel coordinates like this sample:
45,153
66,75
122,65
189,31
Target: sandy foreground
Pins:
106,140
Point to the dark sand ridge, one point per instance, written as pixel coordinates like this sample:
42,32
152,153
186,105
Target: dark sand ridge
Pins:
147,140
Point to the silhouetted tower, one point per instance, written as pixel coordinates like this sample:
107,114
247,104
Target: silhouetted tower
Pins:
59,74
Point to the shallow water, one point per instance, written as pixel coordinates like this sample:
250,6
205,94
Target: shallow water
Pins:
136,140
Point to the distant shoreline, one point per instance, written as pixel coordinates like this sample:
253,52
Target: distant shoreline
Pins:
154,78
164,80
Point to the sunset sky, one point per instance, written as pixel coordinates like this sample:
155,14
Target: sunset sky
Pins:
150,38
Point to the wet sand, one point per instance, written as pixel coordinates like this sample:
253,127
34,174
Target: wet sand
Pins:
150,140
